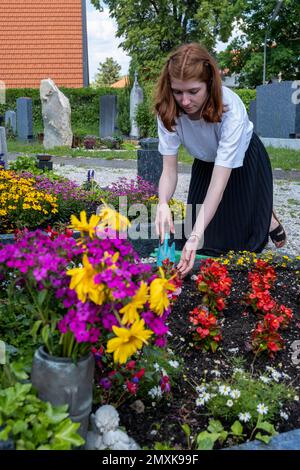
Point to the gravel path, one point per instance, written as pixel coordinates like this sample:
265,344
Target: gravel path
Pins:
286,197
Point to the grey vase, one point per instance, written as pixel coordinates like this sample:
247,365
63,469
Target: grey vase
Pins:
60,381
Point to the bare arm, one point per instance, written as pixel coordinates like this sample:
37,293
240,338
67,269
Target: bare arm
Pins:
217,186
166,189
168,179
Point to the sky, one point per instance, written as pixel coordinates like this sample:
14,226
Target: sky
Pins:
103,43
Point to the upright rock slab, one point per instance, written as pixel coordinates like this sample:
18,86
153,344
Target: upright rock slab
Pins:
56,111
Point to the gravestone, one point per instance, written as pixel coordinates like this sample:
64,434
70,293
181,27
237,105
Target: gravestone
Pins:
136,98
24,118
108,115
3,146
252,114
11,120
278,110
56,111
150,162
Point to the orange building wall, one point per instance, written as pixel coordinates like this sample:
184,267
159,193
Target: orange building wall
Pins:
41,39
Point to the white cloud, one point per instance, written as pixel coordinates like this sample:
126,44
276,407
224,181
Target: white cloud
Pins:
102,41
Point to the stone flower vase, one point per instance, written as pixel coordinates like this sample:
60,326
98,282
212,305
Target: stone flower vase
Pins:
60,381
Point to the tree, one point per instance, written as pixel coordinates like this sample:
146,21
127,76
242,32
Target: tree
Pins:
245,55
150,29
108,73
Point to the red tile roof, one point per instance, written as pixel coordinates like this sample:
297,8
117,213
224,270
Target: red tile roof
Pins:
41,39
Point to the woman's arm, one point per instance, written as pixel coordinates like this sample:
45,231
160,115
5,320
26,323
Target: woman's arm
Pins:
166,189
218,183
168,179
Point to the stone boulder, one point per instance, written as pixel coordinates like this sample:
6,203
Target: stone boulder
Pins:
56,111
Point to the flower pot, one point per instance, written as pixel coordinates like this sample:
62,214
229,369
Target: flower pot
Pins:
60,381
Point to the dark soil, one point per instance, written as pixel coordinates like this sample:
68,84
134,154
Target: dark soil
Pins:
166,418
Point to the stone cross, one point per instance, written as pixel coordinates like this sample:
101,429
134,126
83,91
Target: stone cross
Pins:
136,98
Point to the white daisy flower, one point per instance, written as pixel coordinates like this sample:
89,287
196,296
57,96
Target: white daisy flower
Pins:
224,390
174,364
262,409
200,402
156,367
205,396
229,403
284,415
155,392
200,389
244,417
265,379
216,373
235,394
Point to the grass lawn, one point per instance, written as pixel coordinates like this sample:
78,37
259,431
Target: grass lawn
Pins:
285,159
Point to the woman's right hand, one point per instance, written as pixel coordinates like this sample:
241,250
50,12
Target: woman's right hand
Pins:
163,221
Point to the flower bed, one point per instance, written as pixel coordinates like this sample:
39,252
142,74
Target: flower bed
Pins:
233,394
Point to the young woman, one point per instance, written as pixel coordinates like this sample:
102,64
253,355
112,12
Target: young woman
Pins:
231,177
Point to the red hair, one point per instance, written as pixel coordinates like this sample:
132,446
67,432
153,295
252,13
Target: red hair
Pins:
189,62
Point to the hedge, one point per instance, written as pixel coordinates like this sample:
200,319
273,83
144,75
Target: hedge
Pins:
84,105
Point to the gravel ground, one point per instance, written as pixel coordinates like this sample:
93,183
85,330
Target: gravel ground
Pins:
286,197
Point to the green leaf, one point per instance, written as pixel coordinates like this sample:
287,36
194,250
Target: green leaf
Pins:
4,434
45,334
237,428
56,414
268,427
215,426
19,426
186,429
263,437
42,296
35,328
66,436
206,440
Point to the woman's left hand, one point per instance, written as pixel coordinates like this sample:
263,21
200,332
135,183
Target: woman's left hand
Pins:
188,256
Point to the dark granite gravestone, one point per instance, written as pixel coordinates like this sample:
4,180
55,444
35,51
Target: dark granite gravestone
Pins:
11,120
108,115
252,114
278,110
3,146
149,164
24,118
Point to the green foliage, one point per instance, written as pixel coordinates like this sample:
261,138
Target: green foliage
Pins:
216,432
84,105
244,55
123,119
156,363
34,424
246,96
151,30
108,73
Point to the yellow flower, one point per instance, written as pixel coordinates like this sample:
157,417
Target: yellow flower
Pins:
83,283
83,225
109,218
159,289
130,311
128,341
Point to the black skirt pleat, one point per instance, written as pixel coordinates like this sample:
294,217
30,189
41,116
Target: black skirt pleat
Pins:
243,217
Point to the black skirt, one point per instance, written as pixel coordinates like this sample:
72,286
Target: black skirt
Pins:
242,220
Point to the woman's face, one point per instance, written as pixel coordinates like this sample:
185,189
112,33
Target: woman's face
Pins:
190,95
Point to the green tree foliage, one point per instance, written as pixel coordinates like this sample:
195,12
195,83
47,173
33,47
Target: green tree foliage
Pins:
150,29
108,73
245,54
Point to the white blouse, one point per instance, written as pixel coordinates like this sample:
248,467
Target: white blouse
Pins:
224,143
